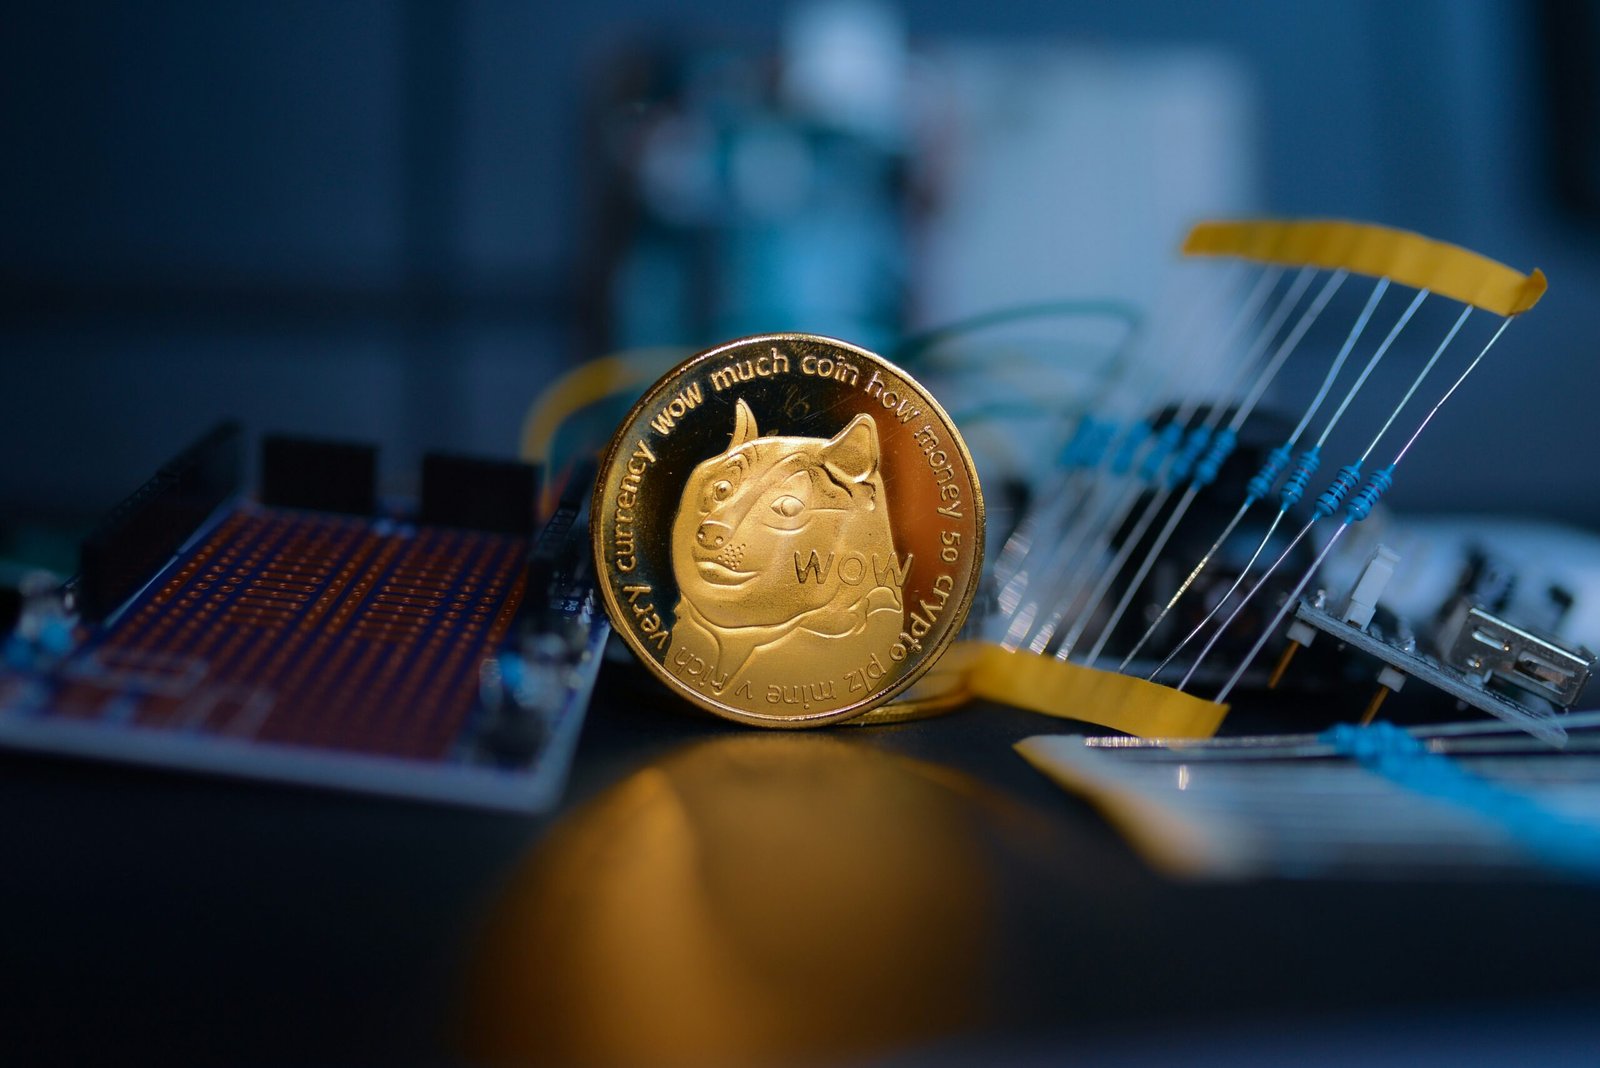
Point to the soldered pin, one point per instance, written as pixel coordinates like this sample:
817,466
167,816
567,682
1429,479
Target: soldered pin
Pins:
1389,681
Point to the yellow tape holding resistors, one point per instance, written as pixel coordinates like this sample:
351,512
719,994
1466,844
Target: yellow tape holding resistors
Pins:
1071,691
1377,251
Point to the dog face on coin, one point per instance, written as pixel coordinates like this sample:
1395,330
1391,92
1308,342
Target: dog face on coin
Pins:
786,540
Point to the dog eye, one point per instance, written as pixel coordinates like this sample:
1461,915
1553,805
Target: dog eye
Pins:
787,506
720,489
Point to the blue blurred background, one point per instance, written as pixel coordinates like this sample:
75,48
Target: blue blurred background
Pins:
398,221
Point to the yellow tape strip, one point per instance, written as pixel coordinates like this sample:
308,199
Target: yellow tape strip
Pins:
1378,251
1104,698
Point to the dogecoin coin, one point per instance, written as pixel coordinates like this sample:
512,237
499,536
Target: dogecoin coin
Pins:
788,530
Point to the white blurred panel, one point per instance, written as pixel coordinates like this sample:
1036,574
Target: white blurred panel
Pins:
1073,171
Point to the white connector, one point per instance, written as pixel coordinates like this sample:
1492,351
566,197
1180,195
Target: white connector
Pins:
1369,587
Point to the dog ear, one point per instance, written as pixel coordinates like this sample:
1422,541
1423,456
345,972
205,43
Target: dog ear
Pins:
744,425
852,454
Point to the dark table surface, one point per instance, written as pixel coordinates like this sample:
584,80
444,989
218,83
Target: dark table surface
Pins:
709,894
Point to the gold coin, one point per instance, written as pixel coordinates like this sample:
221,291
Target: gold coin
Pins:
788,530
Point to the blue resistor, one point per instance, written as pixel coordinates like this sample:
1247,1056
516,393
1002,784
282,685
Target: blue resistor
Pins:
1348,478
1137,435
1361,504
1304,468
1094,451
1553,836
1166,442
512,671
55,637
1205,471
1372,742
1073,450
16,653
1082,443
1267,477
1193,447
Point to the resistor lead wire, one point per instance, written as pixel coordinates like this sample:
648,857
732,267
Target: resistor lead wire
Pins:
1105,576
1060,504
1266,576
1192,402
1307,319
1264,376
1238,581
1066,505
1373,444
1076,579
1349,345
1277,619
1354,515
1017,543
1377,357
1461,321
1240,415
1058,565
1415,434
1333,421
1328,379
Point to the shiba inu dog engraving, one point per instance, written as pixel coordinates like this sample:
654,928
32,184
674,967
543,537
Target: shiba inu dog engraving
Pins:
788,530
782,546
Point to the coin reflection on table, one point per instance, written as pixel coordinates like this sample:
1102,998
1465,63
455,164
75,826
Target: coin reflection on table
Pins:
765,898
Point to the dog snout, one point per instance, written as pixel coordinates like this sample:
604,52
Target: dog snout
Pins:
712,534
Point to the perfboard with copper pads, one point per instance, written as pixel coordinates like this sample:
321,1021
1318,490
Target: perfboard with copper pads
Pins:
321,647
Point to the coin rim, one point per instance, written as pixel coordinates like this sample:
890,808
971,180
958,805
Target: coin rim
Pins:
739,715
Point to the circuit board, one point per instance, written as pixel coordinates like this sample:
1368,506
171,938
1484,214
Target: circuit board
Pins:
1537,719
350,651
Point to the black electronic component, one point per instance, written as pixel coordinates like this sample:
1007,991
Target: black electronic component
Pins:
513,735
207,472
144,531
318,475
500,496
554,633
557,556
128,546
10,608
